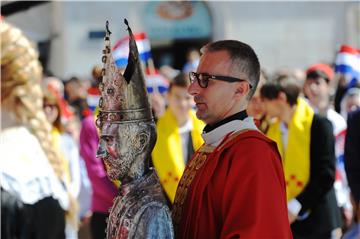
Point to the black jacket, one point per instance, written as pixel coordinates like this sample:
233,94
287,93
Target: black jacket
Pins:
352,154
318,198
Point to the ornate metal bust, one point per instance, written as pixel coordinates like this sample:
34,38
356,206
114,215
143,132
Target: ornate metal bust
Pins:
127,138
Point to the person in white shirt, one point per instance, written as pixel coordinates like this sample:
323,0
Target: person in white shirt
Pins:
317,89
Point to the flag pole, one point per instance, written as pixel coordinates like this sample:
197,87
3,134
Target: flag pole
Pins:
151,66
152,72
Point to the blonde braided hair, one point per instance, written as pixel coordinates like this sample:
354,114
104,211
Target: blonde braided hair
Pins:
21,93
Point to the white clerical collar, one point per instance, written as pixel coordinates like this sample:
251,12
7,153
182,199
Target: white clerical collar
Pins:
215,136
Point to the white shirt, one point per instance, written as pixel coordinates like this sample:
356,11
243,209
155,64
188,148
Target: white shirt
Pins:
25,169
216,136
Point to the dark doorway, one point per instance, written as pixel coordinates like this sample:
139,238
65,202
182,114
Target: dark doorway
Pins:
175,53
44,54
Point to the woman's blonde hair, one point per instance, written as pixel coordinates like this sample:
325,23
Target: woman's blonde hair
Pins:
21,93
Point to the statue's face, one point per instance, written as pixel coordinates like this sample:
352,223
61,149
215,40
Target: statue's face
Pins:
121,146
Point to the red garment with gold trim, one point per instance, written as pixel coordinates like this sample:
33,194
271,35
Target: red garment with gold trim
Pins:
234,190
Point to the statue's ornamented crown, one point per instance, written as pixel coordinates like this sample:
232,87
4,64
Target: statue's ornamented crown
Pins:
123,96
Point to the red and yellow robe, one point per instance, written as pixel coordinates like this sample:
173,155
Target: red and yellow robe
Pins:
234,190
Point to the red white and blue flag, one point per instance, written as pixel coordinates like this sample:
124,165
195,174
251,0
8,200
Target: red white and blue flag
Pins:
155,82
93,98
121,49
348,63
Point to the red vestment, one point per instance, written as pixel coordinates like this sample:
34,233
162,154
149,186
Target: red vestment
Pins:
236,189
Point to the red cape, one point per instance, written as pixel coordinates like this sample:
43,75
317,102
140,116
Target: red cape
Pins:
239,191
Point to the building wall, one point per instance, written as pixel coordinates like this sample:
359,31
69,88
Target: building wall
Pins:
284,34
35,23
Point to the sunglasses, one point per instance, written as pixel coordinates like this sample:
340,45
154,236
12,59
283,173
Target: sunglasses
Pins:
203,79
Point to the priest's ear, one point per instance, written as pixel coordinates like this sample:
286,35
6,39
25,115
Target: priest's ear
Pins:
241,90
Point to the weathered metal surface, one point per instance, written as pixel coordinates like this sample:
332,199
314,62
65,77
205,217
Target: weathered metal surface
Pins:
127,138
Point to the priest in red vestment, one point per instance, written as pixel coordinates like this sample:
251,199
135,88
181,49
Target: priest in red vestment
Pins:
234,186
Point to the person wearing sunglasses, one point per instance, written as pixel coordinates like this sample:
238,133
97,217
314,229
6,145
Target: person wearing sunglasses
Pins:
233,187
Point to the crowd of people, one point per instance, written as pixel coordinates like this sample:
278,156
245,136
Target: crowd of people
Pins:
54,186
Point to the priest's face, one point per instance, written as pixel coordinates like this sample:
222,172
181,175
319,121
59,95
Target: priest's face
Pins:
121,146
219,99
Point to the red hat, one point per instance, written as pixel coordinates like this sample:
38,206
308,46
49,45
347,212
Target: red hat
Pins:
326,69
349,49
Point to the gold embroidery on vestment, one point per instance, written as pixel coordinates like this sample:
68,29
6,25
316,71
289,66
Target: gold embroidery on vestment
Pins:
195,164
